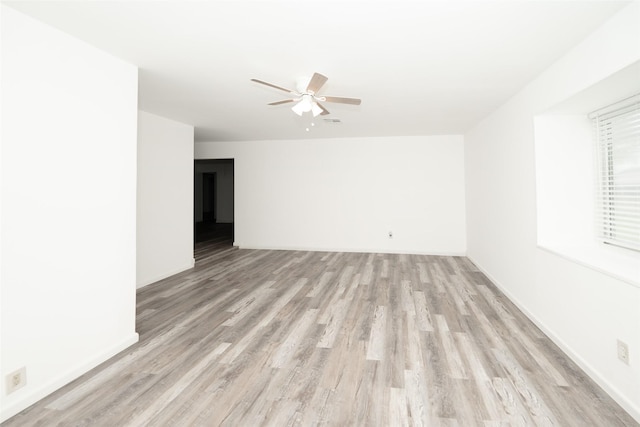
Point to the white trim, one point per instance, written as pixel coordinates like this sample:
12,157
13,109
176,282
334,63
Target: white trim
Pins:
41,392
155,279
632,408
355,250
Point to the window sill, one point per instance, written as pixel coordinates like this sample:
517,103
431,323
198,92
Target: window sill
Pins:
619,263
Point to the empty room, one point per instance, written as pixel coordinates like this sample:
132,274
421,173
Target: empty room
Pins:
308,213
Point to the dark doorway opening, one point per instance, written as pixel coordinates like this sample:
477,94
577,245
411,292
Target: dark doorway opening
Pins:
209,197
213,200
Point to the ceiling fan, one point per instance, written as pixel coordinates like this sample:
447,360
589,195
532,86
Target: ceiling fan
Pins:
307,98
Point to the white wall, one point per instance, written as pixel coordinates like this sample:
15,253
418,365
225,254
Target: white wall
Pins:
582,310
165,198
346,194
68,207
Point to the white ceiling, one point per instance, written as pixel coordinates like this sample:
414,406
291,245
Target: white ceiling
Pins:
430,67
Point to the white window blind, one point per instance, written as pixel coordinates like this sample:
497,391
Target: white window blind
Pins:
618,160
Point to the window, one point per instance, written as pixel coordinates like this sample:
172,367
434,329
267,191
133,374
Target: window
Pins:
568,175
618,162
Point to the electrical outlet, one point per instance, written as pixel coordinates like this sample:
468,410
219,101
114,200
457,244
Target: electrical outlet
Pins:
16,379
391,234
623,351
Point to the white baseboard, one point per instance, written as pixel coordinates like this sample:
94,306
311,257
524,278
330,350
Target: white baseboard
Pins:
145,282
59,381
631,407
354,250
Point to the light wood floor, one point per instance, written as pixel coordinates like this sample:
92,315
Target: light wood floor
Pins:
256,337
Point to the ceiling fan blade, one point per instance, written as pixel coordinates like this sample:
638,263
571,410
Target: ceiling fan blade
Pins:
272,85
324,110
341,100
284,101
316,82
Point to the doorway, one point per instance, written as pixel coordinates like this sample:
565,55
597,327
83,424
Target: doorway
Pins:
213,200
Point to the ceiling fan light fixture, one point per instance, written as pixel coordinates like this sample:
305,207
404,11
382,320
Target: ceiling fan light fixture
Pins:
315,109
298,108
304,106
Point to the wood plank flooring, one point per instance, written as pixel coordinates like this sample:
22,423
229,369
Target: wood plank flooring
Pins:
279,338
